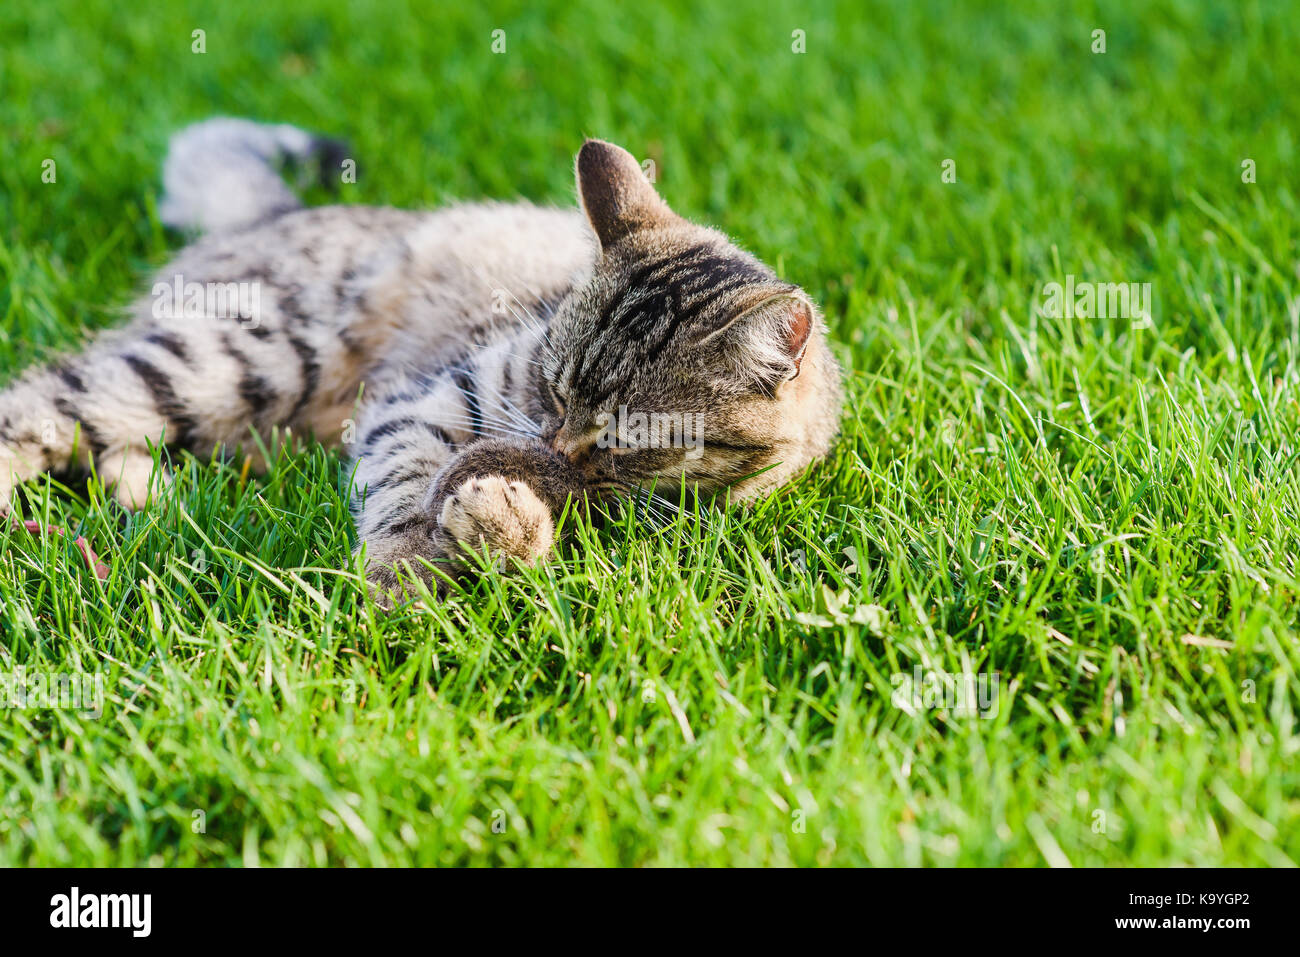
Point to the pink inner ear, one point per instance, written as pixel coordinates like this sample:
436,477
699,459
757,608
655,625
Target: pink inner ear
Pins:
799,330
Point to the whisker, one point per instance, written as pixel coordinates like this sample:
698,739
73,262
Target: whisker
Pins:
530,321
471,425
446,414
495,344
482,416
517,412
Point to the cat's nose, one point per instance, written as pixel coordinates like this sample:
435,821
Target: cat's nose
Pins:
568,446
574,448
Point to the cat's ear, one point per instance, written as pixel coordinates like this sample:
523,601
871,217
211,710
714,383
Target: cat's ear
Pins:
616,196
774,325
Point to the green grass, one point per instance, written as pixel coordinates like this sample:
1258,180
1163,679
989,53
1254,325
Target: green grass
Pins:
1103,514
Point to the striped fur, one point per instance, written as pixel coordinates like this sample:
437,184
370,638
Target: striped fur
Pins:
473,357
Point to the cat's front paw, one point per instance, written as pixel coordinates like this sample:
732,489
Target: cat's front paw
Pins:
506,516
395,562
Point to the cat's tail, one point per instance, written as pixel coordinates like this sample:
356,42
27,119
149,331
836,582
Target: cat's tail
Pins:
224,174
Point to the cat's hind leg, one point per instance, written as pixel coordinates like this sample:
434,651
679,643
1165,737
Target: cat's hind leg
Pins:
194,386
101,405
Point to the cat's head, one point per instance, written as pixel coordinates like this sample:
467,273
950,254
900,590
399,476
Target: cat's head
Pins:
681,353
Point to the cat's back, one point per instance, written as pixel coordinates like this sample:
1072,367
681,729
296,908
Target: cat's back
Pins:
507,244
299,245
463,255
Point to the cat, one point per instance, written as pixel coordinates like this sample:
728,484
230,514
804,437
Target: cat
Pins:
483,364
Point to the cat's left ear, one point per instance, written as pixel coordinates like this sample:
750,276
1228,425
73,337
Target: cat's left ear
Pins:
616,196
777,327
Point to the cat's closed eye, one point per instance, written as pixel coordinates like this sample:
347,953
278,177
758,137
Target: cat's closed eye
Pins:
557,401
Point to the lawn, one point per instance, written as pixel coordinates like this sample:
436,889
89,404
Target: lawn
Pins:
1097,516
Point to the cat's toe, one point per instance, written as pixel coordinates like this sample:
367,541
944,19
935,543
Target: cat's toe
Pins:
506,516
9,478
129,473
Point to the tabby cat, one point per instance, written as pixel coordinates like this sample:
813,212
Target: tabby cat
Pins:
481,363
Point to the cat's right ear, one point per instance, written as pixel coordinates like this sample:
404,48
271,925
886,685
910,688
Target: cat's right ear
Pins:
615,194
